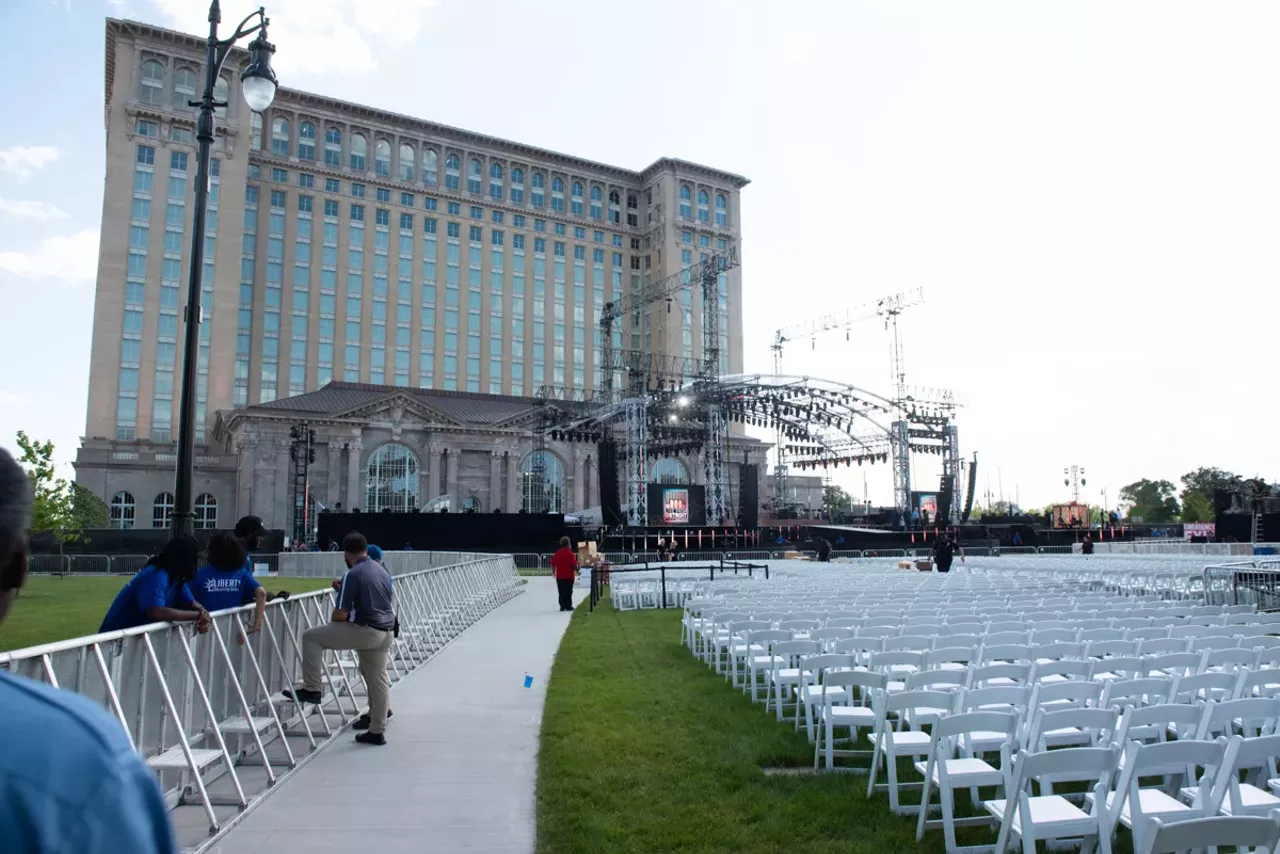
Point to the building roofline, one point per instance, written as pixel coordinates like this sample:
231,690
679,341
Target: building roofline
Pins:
119,26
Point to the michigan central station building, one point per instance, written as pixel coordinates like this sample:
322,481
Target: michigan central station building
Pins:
401,287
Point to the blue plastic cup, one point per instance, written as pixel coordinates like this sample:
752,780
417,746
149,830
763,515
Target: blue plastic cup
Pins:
528,681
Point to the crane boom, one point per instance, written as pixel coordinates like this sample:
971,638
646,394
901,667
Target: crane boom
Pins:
844,319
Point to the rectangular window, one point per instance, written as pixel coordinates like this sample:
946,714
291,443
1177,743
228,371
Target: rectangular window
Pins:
357,190
332,185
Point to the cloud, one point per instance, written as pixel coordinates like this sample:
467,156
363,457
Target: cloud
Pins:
308,34
69,260
25,160
39,211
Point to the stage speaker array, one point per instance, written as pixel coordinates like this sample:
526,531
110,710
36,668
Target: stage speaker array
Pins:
749,496
945,496
610,502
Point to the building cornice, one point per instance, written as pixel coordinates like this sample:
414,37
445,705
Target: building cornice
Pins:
444,134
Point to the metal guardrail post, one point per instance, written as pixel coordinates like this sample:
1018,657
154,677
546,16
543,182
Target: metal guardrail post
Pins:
662,577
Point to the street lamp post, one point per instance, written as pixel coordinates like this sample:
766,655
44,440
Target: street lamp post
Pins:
258,82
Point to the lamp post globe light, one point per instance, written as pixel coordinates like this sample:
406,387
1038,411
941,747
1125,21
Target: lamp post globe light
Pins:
258,82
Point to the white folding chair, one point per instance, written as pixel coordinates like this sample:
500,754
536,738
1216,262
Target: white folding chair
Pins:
892,742
787,674
947,770
814,691
1256,760
1133,806
1150,691
1003,673
1087,727
1260,834
1032,817
1158,722
845,707
1253,716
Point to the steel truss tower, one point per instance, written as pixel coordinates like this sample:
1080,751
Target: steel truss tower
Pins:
637,420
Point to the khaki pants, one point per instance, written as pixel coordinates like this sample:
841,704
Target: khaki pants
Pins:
372,647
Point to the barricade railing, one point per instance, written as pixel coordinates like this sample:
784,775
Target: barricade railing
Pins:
1015,550
748,555
1055,550
1255,583
121,564
49,564
672,587
528,563
201,708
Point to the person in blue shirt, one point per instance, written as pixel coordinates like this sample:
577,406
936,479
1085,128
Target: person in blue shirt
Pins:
159,592
78,788
226,581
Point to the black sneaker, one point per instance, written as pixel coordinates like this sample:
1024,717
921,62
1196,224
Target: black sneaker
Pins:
371,738
362,722
301,695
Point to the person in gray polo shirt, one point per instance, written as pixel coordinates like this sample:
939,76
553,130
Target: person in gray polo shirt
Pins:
363,621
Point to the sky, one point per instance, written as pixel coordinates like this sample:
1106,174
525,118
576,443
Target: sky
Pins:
1087,192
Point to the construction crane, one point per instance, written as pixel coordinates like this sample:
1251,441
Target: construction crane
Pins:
888,308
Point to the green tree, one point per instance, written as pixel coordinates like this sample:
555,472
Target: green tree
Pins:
1207,481
1196,508
835,499
1151,500
58,506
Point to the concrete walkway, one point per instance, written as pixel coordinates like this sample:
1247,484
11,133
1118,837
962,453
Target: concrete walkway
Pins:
460,763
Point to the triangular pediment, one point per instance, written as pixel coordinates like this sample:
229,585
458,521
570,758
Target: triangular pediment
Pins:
398,408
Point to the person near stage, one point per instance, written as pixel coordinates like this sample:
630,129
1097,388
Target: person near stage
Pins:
944,551
1087,546
824,550
362,621
564,563
72,781
226,581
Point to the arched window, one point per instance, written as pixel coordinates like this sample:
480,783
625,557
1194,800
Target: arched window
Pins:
306,141
391,482
474,171
575,203
704,210
471,503
597,200
359,150
408,165
430,166
151,84
220,92
206,512
517,185
668,470
382,158
162,510
452,167
184,88
280,136
722,210
686,202
542,485
121,510
557,195
615,206
495,181
537,195
333,147
255,131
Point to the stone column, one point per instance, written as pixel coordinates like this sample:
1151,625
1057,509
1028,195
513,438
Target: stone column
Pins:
495,481
355,486
331,495
433,473
451,479
577,481
246,452
513,482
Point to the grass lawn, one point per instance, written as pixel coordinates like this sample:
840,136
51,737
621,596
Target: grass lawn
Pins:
56,608
644,749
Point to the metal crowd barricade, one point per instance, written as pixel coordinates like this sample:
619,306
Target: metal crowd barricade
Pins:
1255,583
201,709
1055,550
122,564
617,558
750,555
529,564
49,564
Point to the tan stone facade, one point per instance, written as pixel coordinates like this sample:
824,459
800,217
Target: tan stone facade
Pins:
321,268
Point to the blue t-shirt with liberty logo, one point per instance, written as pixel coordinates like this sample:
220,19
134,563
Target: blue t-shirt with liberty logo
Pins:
217,590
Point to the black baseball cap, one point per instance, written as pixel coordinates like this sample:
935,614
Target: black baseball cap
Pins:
249,526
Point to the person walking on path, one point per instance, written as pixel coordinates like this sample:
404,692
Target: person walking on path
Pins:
362,621
944,551
565,564
77,786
